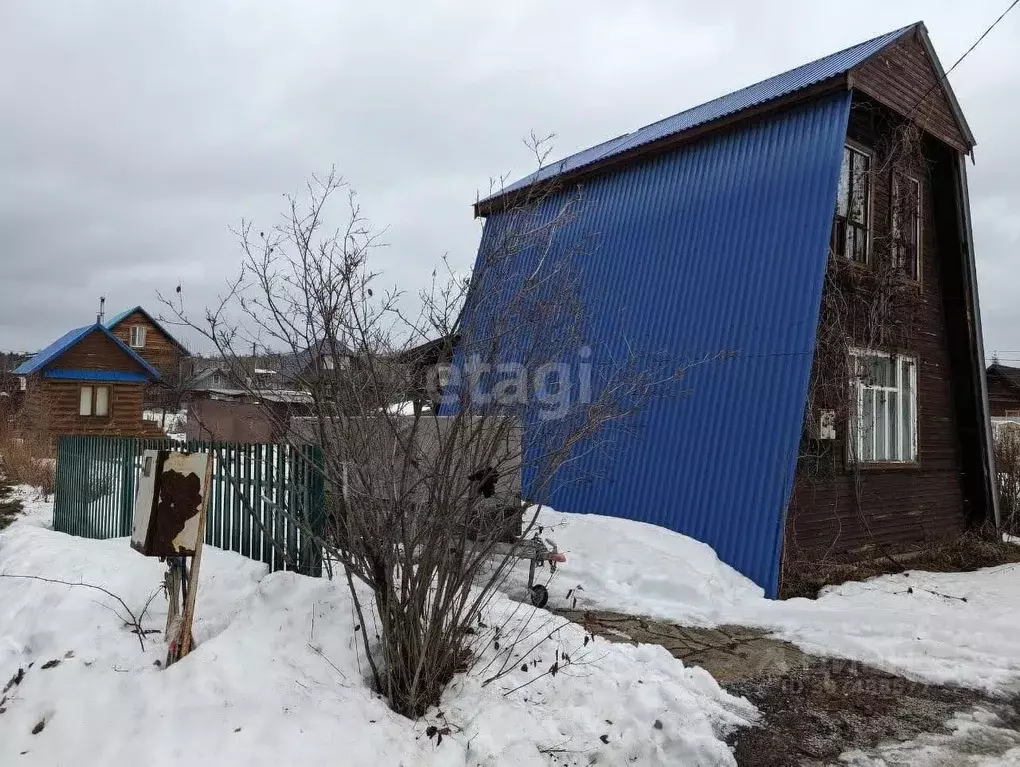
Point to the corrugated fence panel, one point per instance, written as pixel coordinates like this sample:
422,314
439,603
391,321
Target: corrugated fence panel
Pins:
714,254
97,478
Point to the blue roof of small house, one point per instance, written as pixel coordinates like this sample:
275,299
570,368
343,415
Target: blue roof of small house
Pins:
115,321
67,341
780,85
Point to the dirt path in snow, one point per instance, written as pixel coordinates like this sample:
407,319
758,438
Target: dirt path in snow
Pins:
814,709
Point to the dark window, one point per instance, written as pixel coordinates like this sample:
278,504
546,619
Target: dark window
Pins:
906,223
853,207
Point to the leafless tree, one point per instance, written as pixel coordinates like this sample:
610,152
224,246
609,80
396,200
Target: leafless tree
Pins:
425,504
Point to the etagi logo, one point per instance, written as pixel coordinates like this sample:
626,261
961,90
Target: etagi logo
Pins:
551,386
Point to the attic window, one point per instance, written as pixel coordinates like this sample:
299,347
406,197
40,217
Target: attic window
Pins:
852,223
137,336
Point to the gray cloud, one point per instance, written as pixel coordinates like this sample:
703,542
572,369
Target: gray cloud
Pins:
132,136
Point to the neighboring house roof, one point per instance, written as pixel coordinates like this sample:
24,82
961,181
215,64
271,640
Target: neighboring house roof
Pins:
115,321
200,379
295,365
278,396
838,64
1009,374
67,342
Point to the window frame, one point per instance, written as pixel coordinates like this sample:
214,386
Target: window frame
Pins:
93,401
856,432
140,330
869,223
918,227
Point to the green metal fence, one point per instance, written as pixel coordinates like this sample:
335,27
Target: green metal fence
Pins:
266,501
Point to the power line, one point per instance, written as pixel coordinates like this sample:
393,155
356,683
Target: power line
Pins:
965,55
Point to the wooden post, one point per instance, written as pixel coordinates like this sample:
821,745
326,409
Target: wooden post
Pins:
196,564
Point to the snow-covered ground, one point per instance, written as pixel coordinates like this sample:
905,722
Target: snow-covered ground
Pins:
277,678
174,423
962,628
973,735
278,674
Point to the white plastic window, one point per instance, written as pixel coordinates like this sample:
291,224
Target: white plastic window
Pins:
884,398
138,336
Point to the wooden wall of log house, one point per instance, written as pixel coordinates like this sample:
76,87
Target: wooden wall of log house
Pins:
837,509
159,351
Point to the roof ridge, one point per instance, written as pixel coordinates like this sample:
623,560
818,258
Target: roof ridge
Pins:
764,91
70,339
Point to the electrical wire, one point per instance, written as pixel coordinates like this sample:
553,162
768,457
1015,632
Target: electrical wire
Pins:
965,55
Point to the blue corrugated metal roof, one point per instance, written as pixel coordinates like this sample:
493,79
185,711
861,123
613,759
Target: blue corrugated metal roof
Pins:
111,324
68,340
760,93
719,246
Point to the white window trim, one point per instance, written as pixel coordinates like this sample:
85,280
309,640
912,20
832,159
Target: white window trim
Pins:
920,217
137,337
858,389
862,149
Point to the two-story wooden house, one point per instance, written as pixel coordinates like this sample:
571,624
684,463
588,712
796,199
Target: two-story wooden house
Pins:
151,341
88,382
800,251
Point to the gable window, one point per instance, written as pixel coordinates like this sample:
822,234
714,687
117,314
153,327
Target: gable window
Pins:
852,223
906,224
94,401
884,399
138,336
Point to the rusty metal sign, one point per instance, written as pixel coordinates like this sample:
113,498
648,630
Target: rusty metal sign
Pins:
169,503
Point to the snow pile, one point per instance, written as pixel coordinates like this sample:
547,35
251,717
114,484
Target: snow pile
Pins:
636,568
278,677
961,628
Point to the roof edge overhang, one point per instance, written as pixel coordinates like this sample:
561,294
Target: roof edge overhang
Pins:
115,376
921,31
940,74
540,189
977,337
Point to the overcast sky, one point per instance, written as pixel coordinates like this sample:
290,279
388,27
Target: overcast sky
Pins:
133,135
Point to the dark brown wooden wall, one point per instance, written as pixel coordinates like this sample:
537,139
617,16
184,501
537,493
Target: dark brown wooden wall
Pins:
900,76
1002,396
51,406
897,503
159,351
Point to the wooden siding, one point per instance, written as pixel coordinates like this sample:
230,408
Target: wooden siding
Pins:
159,350
900,76
51,407
1002,396
892,504
96,352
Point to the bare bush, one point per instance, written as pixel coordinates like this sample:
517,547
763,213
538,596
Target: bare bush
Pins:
1007,467
425,504
27,457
